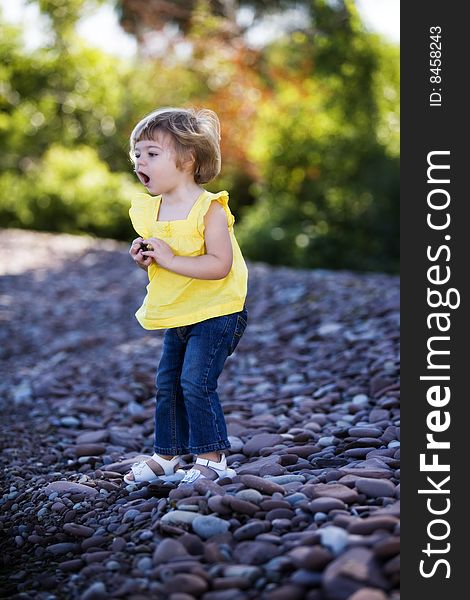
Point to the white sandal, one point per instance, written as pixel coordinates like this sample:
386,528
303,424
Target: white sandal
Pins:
219,467
142,472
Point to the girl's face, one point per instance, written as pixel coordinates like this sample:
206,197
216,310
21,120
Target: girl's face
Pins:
155,166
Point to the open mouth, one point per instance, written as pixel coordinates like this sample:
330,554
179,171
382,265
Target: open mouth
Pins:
144,178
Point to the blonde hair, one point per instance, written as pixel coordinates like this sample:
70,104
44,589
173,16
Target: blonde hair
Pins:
195,135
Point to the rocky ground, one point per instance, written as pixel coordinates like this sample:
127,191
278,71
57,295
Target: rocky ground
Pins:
311,398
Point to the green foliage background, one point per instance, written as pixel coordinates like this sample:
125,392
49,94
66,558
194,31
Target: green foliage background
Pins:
310,128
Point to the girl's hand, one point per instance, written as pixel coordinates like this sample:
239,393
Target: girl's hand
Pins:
161,252
137,255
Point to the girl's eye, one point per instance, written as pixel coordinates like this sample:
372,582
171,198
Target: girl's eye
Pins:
152,154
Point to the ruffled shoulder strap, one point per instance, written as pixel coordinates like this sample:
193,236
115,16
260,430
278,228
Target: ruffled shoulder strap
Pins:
222,198
142,213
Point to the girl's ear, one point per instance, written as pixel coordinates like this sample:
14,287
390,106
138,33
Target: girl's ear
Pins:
190,164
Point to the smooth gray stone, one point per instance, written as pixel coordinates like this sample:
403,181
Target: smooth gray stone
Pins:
62,548
295,498
306,578
251,530
179,517
365,432
375,488
354,569
167,549
333,538
283,479
260,441
63,487
206,526
255,553
96,591
250,495
144,564
326,504
245,571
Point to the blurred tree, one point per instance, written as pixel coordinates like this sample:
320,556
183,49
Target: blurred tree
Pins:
63,97
71,191
327,147
49,95
64,15
139,16
311,120
309,125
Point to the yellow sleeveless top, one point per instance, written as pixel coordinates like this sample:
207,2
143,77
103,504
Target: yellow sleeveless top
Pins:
175,300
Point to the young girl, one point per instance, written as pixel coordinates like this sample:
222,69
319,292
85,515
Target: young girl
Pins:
197,288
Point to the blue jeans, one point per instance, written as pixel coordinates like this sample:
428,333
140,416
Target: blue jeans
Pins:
188,415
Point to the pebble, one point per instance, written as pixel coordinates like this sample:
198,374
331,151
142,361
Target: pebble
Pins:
216,504
360,399
251,530
261,484
78,530
167,549
351,571
89,449
333,538
379,414
326,441
207,526
238,505
250,495
313,558
368,593
260,441
311,399
371,524
295,498
359,432
179,517
61,548
375,488
255,553
186,583
325,504
283,479
69,421
387,547
68,487
144,564
96,591
334,490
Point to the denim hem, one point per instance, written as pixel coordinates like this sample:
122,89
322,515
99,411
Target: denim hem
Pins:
192,450
172,451
210,447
